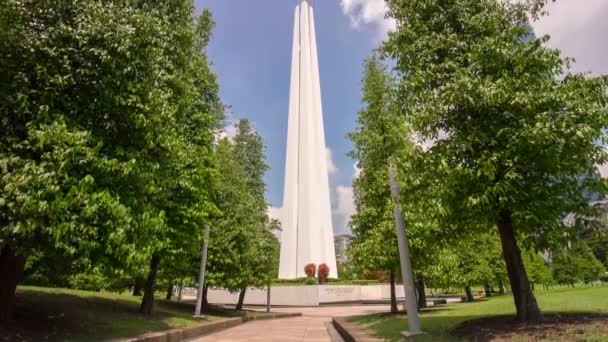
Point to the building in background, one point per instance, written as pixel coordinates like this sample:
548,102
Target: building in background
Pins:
341,244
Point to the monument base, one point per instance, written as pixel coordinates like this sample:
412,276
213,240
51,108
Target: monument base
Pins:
309,295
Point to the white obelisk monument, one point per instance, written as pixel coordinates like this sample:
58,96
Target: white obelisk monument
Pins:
307,235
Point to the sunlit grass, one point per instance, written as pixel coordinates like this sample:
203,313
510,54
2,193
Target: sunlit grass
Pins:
439,321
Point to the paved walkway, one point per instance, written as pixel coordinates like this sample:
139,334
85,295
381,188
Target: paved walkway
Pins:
310,327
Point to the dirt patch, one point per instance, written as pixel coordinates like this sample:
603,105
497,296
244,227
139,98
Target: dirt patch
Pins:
565,328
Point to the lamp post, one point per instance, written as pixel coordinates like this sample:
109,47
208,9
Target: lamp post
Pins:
404,258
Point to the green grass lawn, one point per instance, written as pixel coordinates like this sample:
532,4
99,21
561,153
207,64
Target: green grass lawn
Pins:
439,321
48,314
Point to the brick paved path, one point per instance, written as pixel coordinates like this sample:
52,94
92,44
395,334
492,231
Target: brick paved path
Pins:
310,327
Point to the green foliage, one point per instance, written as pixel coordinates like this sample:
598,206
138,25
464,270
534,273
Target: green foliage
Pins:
243,250
599,246
577,264
311,281
330,281
379,135
538,272
347,270
565,268
513,136
470,261
109,114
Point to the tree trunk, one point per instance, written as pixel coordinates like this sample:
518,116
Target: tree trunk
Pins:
147,302
421,293
11,269
394,308
501,287
179,292
487,290
525,303
239,305
205,289
469,293
169,292
137,286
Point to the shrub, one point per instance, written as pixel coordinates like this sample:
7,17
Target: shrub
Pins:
341,281
87,281
323,273
311,281
297,281
310,270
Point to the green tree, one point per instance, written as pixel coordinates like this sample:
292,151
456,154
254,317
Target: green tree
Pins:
513,135
380,136
469,261
107,107
376,139
249,152
179,193
225,242
565,268
243,250
538,272
591,269
599,246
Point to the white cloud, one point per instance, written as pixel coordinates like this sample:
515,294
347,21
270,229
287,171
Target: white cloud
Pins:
368,12
331,166
345,203
578,28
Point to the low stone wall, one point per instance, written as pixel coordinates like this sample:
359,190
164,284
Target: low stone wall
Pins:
351,332
308,295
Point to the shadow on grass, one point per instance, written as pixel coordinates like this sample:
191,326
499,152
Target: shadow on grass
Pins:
60,315
553,327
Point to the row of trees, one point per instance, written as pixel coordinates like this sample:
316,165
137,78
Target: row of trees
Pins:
495,143
110,160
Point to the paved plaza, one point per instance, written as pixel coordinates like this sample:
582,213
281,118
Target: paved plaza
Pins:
310,327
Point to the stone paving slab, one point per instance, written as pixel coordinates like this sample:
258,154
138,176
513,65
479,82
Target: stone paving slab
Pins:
195,331
310,327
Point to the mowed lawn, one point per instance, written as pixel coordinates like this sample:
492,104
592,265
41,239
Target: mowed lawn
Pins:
48,314
440,321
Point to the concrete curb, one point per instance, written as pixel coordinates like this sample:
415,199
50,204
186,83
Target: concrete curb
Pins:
351,332
182,334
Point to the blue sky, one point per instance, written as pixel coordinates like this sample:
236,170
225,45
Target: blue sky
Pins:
251,54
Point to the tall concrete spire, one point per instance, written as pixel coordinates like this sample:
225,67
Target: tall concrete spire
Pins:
307,235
